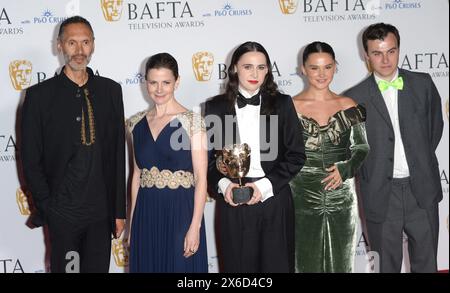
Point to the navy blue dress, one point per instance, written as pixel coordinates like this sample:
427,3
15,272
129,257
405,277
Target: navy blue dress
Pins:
163,211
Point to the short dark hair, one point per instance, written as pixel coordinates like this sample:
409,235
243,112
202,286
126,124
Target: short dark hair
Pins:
317,47
379,31
72,20
162,60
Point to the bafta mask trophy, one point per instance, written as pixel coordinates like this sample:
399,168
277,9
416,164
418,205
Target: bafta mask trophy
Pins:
236,161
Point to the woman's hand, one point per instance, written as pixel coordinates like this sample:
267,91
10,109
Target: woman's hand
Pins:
191,241
334,179
257,196
228,197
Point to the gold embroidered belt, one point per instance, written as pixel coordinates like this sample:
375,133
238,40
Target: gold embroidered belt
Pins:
166,178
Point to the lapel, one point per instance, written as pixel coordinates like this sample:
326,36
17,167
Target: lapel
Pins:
229,123
378,101
406,98
264,125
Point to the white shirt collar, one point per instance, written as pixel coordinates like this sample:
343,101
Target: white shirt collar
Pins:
246,94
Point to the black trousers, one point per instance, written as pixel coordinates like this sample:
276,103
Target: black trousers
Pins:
258,238
420,225
84,248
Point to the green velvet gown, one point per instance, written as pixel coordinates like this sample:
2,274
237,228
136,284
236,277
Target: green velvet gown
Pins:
326,221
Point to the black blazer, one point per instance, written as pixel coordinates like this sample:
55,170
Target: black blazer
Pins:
290,156
421,125
51,131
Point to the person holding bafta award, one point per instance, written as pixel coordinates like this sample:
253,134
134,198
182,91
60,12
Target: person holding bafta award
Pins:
256,148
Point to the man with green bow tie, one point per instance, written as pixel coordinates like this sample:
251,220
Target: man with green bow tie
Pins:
384,85
399,180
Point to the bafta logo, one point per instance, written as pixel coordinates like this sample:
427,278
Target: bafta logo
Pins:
202,63
120,252
112,9
22,202
288,6
20,73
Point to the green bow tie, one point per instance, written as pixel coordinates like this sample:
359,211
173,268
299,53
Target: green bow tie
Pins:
396,83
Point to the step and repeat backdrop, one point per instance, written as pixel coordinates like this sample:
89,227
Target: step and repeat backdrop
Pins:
201,35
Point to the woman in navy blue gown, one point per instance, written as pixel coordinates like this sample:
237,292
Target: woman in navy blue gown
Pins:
168,191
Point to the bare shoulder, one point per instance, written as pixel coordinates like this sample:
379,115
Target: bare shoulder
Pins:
299,102
346,102
300,98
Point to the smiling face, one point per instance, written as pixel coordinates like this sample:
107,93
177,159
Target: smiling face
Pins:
77,45
383,56
252,69
319,69
161,85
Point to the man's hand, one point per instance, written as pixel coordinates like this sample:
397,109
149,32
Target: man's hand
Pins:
120,226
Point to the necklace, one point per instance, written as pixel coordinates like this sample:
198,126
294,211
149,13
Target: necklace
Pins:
90,114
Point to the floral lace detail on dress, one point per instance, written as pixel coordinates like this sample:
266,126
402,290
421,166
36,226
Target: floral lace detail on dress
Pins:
133,120
192,122
166,178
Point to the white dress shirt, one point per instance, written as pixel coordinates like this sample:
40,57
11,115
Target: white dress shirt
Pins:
390,97
248,118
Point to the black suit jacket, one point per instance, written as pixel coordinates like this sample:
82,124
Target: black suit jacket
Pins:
421,125
290,155
51,133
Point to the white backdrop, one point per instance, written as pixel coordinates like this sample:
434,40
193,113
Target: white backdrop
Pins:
139,28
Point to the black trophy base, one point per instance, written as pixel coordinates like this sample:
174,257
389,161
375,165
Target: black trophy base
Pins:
242,194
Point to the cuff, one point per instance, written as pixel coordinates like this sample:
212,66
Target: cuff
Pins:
343,170
223,185
265,187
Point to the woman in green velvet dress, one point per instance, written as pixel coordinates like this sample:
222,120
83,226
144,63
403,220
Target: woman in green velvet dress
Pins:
324,191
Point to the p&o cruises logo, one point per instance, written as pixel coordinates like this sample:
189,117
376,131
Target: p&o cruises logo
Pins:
135,79
229,10
47,17
402,4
